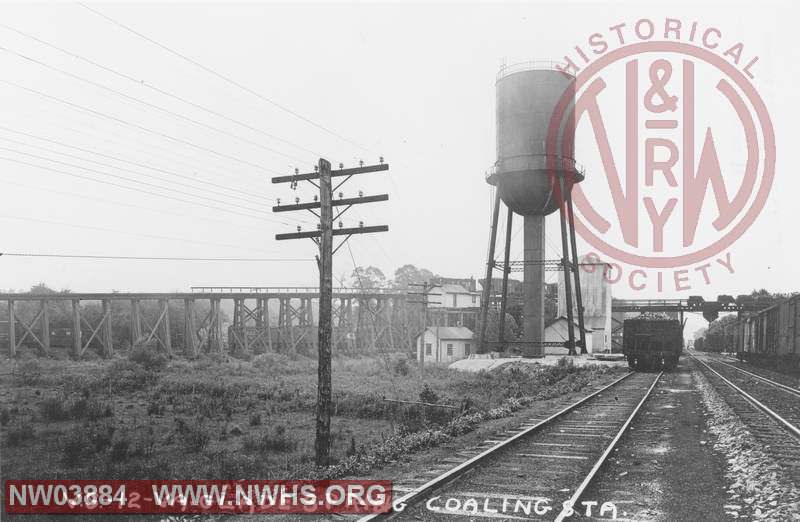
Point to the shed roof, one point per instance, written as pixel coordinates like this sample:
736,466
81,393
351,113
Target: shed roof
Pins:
455,289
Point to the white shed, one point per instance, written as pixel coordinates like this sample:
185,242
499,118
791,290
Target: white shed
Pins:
557,332
445,344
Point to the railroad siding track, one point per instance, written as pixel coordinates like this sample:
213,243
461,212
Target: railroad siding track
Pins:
527,473
779,380
778,430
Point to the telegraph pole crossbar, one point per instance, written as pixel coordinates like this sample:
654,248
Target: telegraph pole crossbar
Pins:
323,237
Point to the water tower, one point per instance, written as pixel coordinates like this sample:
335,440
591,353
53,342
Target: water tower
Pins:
527,95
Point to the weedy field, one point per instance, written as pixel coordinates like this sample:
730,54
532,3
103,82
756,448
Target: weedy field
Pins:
141,415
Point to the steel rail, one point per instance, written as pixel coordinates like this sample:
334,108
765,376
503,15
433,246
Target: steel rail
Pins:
567,510
445,478
794,430
788,389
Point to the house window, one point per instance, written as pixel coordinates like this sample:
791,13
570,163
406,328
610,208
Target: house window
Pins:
455,302
449,349
474,299
467,349
428,348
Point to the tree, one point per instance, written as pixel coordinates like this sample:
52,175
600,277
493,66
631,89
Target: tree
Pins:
409,274
720,335
369,277
493,326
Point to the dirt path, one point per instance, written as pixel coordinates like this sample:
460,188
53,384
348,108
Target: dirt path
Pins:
665,468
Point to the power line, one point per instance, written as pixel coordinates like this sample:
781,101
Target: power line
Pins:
117,158
130,205
79,158
223,77
148,104
148,85
161,187
152,258
146,149
141,190
136,126
115,231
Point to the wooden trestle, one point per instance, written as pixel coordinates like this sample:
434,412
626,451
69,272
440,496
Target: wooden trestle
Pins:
362,322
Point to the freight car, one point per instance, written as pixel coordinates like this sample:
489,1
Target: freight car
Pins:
771,336
651,344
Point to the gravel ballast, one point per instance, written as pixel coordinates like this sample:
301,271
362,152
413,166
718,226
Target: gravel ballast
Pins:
759,490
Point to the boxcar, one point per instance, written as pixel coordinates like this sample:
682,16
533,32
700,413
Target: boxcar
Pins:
772,335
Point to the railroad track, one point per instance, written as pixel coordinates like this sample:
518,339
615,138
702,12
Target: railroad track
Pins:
771,410
531,473
789,389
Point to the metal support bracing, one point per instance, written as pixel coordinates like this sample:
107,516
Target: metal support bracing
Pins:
489,272
567,269
504,292
576,271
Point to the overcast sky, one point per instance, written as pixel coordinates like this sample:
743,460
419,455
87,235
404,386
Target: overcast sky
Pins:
117,146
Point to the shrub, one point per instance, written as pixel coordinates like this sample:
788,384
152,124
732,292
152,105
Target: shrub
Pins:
274,362
54,409
119,451
18,434
90,409
5,416
400,367
100,436
30,372
124,375
194,436
276,442
75,445
255,419
155,407
148,356
428,395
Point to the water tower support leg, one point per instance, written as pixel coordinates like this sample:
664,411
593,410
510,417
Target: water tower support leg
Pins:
482,348
506,269
566,263
577,273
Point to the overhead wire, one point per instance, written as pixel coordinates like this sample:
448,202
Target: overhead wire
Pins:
154,258
222,77
150,105
142,190
137,126
150,176
139,182
143,83
147,149
122,160
115,231
117,203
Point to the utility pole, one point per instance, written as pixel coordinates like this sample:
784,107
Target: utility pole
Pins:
426,287
323,237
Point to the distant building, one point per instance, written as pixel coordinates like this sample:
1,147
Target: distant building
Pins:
557,331
445,344
454,296
596,296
